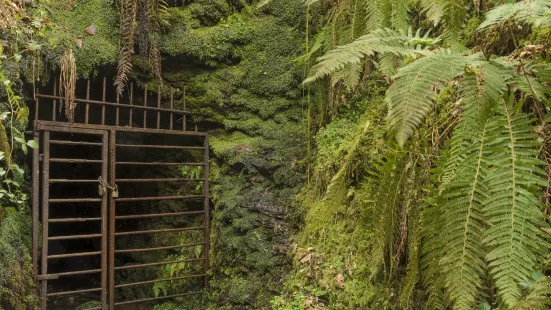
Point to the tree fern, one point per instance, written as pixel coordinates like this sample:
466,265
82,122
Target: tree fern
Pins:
535,12
411,97
379,41
513,207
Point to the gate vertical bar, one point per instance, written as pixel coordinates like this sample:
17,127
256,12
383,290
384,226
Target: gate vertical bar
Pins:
145,111
112,213
36,201
207,212
45,215
104,214
103,98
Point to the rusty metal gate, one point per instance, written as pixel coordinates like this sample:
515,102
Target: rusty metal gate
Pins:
121,184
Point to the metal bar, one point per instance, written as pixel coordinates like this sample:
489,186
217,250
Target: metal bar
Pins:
104,220
91,236
74,273
156,180
184,120
45,214
206,209
114,104
172,247
175,147
74,128
158,106
156,298
145,232
103,100
139,216
75,161
117,113
158,198
66,127
145,106
158,264
61,142
55,101
158,164
131,103
72,181
59,256
66,200
87,104
112,213
91,290
36,202
36,104
75,220
159,280
171,107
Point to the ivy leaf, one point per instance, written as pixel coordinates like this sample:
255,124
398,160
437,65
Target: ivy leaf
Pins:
32,144
17,57
33,46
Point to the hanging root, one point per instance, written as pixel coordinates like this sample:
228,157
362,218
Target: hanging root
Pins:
127,30
67,85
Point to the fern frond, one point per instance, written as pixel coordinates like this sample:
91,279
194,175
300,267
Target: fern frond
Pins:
464,224
483,84
434,10
455,14
374,16
379,41
539,297
534,12
513,207
411,97
127,30
349,75
397,12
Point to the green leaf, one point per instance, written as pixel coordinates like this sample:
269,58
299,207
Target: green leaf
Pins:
32,144
17,57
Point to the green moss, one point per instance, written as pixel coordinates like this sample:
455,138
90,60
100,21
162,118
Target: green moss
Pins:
69,23
16,284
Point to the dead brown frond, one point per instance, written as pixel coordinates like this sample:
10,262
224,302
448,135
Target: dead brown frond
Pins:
127,31
67,85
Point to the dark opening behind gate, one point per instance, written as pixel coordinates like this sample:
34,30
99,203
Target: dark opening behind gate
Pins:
123,198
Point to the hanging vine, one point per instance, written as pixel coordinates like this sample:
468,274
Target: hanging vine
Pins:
67,85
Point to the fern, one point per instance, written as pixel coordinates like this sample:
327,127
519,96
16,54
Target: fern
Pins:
534,12
127,30
379,41
411,97
464,224
513,207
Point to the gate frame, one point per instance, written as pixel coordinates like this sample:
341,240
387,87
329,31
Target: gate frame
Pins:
108,149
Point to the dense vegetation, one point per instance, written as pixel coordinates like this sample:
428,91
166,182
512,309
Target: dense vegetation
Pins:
367,154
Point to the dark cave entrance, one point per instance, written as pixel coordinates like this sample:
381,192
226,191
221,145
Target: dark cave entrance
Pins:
150,243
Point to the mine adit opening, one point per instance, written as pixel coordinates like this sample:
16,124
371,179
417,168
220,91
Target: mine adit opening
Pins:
160,184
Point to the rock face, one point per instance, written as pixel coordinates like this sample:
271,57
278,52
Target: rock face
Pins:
240,79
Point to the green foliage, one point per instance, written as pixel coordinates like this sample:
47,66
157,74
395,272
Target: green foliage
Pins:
534,12
411,97
379,41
